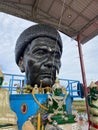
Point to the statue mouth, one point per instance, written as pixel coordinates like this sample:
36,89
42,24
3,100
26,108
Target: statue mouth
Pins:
7,126
47,75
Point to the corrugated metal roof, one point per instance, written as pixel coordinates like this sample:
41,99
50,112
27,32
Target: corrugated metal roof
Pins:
72,17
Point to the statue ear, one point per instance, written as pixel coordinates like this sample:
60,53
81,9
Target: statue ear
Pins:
21,65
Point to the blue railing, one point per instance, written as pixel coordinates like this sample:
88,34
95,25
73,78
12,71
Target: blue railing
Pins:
13,82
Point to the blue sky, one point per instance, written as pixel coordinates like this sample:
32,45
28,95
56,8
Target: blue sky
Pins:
10,29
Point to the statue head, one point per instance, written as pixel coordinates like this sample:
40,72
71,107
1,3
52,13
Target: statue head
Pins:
38,52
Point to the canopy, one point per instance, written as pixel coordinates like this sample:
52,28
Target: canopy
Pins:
72,17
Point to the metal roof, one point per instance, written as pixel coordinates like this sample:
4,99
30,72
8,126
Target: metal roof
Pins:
72,17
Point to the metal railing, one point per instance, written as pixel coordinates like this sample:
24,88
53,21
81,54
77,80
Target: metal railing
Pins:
13,82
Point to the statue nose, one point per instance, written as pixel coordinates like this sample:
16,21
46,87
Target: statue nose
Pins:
49,64
50,61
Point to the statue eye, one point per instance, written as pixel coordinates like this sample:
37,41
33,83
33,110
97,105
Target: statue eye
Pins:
57,55
40,52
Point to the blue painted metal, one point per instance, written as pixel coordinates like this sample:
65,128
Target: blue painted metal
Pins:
17,101
11,82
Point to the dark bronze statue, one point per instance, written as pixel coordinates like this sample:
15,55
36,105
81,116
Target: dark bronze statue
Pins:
38,52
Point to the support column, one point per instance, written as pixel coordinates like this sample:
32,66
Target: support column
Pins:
83,74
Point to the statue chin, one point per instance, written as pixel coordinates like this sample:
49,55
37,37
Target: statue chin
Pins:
47,82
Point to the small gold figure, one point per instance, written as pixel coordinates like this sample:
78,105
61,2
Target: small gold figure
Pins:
35,89
40,88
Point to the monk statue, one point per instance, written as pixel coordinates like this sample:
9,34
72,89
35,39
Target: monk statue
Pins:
8,118
38,53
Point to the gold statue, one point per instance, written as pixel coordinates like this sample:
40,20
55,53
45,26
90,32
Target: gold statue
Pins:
8,118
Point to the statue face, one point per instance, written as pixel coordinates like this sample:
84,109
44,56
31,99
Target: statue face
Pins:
1,81
41,60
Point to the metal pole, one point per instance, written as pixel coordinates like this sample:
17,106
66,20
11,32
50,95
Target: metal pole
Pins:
83,75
